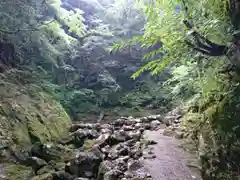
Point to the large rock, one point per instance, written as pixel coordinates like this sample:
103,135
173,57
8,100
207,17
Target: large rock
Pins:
51,151
80,135
36,163
62,175
104,167
112,174
86,164
30,114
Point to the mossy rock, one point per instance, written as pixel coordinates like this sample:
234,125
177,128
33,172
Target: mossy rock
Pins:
14,172
28,114
45,170
46,176
88,144
217,133
53,152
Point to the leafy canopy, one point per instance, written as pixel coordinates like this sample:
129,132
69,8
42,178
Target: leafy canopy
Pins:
164,23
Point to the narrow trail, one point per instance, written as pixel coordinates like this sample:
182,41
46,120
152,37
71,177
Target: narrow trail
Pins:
171,162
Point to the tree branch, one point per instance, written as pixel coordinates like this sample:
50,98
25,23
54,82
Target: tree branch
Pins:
202,44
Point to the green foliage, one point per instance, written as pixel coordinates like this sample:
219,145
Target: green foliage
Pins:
165,24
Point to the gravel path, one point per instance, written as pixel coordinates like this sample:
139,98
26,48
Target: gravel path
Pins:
171,161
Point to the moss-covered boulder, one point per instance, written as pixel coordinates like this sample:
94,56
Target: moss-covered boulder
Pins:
12,172
28,114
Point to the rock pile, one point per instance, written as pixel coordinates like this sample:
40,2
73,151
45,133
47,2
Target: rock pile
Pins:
95,151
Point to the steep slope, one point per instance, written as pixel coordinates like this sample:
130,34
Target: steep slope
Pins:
27,113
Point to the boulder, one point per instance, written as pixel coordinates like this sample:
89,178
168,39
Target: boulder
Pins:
104,139
119,136
104,167
128,128
51,151
62,175
136,135
106,150
85,133
155,125
86,164
112,175
36,163
113,154
119,122
45,170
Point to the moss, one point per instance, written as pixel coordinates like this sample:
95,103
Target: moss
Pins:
45,170
217,135
14,172
88,144
21,135
46,176
29,114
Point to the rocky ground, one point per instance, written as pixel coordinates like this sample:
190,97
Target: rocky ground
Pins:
121,150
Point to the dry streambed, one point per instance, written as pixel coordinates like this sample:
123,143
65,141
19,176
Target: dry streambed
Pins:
126,149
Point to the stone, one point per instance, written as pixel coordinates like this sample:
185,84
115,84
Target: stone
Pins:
104,139
45,169
155,125
149,156
113,154
106,150
150,142
86,133
168,120
119,136
144,119
128,175
147,126
123,149
120,164
134,165
128,128
51,151
62,175
36,163
86,162
176,121
138,125
112,175
119,122
179,134
136,135
47,176
104,167
59,166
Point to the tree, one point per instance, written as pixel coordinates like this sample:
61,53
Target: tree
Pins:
208,27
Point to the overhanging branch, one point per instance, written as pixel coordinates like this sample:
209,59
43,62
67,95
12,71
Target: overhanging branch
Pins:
201,43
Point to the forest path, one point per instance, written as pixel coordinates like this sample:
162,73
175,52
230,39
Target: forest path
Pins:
171,162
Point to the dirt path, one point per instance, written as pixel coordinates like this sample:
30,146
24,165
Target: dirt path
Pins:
171,162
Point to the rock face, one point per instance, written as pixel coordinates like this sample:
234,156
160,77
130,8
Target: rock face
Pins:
28,114
98,152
